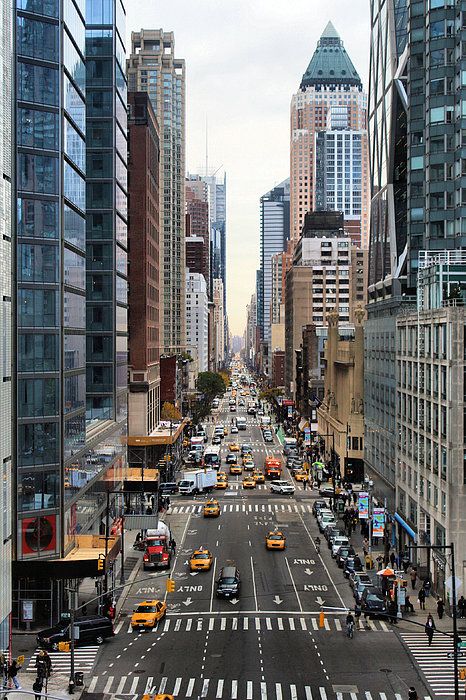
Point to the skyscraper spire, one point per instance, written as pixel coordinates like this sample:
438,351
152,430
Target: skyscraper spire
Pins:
330,63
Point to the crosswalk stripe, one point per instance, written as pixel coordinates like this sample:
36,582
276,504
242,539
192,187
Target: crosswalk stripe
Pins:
246,623
280,623
234,623
368,695
178,624
258,623
278,691
353,696
189,690
234,690
149,683
121,684
163,684
268,623
249,695
108,684
211,624
338,624
199,623
326,624
383,696
293,692
292,625
303,624
339,696
219,688
314,623
134,685
177,686
308,692
264,691
205,688
92,684
383,626
189,625
223,623
398,696
323,694
166,626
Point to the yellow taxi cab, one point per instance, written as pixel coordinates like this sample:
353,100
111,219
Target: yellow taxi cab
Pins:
275,540
201,560
211,509
147,614
258,477
248,462
301,476
222,482
249,483
233,447
159,696
236,469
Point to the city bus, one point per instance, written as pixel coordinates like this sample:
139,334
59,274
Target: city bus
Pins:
241,422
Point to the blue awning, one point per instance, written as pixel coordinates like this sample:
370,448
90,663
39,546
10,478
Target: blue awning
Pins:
406,527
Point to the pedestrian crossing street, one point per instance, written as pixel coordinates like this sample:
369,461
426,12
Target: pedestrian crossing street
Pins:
232,689
433,660
247,508
260,624
84,660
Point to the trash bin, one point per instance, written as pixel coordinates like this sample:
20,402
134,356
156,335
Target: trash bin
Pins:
79,679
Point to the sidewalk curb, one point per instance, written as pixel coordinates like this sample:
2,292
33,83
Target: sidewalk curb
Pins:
122,599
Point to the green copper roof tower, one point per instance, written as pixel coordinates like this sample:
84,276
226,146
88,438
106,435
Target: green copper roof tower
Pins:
330,63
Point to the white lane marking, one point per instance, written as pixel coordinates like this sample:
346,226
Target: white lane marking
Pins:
254,584
263,691
93,684
166,625
368,695
189,690
291,623
163,684
212,589
199,624
219,688
205,688
326,624
303,624
383,696
223,623
121,684
294,585
118,627
234,623
280,623
177,686
278,691
383,626
246,623
258,623
234,690
249,695
178,624
338,624
323,694
108,684
308,692
211,624
268,623
314,623
189,623
149,683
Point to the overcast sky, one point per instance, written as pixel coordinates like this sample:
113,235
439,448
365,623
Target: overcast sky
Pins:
244,60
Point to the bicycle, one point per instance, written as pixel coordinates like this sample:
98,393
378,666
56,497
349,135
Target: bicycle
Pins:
317,545
350,630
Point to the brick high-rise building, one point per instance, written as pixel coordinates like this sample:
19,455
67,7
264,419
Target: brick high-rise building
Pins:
153,68
144,265
330,99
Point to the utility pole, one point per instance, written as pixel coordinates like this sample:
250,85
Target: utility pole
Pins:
72,604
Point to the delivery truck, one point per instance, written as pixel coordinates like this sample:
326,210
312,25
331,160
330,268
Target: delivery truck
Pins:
197,481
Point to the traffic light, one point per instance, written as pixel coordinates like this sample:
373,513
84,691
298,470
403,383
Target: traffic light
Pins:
100,564
170,585
63,646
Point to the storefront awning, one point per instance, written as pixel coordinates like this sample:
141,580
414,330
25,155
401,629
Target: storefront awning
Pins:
406,527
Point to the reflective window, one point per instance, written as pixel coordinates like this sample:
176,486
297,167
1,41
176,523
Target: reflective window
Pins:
99,195
99,318
121,319
75,350
74,310
38,263
75,269
99,103
74,63
120,52
99,72
75,392
75,24
38,490
121,172
121,201
37,444
99,42
121,143
38,129
74,105
122,376
99,408
37,397
121,348
121,260
120,82
74,228
99,12
74,145
49,8
99,134
74,186
100,256
99,286
121,290
37,39
100,164
37,84
99,378
99,348
120,19
99,226
37,219
121,231
38,352
37,173
74,440
121,112
37,308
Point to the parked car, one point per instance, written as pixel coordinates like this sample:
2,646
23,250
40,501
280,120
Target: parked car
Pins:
93,629
350,566
168,487
325,521
331,531
337,542
216,440
373,603
359,576
342,554
359,589
319,505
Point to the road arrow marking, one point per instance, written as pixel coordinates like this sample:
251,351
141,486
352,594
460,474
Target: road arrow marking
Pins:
277,600
320,601
308,572
233,601
194,573
188,601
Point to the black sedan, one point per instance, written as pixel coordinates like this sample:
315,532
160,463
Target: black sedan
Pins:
351,564
359,589
318,505
342,554
373,603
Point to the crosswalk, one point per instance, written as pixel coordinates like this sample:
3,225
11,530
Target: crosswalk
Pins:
260,624
84,659
247,508
232,689
433,660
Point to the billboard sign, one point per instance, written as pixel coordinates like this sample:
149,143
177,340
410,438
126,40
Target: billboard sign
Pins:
378,522
363,505
307,436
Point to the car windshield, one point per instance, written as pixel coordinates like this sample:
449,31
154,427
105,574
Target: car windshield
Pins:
229,581
275,537
202,555
373,597
146,609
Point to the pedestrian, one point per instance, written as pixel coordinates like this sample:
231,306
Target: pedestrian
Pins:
392,612
173,544
43,665
409,607
427,585
37,688
421,596
413,576
412,693
355,497
440,608
392,559
357,614
462,607
305,484
365,546
84,609
13,670
430,628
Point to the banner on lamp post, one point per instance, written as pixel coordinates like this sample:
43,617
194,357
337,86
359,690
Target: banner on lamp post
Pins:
363,505
307,436
378,522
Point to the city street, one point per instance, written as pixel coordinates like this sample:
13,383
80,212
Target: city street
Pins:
267,643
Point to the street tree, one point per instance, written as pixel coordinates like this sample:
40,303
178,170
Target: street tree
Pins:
170,412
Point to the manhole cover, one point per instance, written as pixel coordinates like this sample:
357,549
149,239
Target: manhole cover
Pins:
140,670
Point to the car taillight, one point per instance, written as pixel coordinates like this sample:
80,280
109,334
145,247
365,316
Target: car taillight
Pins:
146,558
164,557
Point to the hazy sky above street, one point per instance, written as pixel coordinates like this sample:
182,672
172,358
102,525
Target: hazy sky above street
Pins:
244,60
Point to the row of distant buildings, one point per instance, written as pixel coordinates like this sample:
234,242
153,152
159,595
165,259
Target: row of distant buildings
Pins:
373,355
100,278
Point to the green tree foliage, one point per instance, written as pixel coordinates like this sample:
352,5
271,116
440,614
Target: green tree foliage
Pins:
170,412
210,384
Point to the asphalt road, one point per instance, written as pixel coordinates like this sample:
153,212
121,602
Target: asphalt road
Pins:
268,643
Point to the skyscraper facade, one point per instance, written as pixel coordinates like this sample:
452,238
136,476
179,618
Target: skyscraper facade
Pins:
144,265
6,71
197,318
330,97
152,67
70,365
275,231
